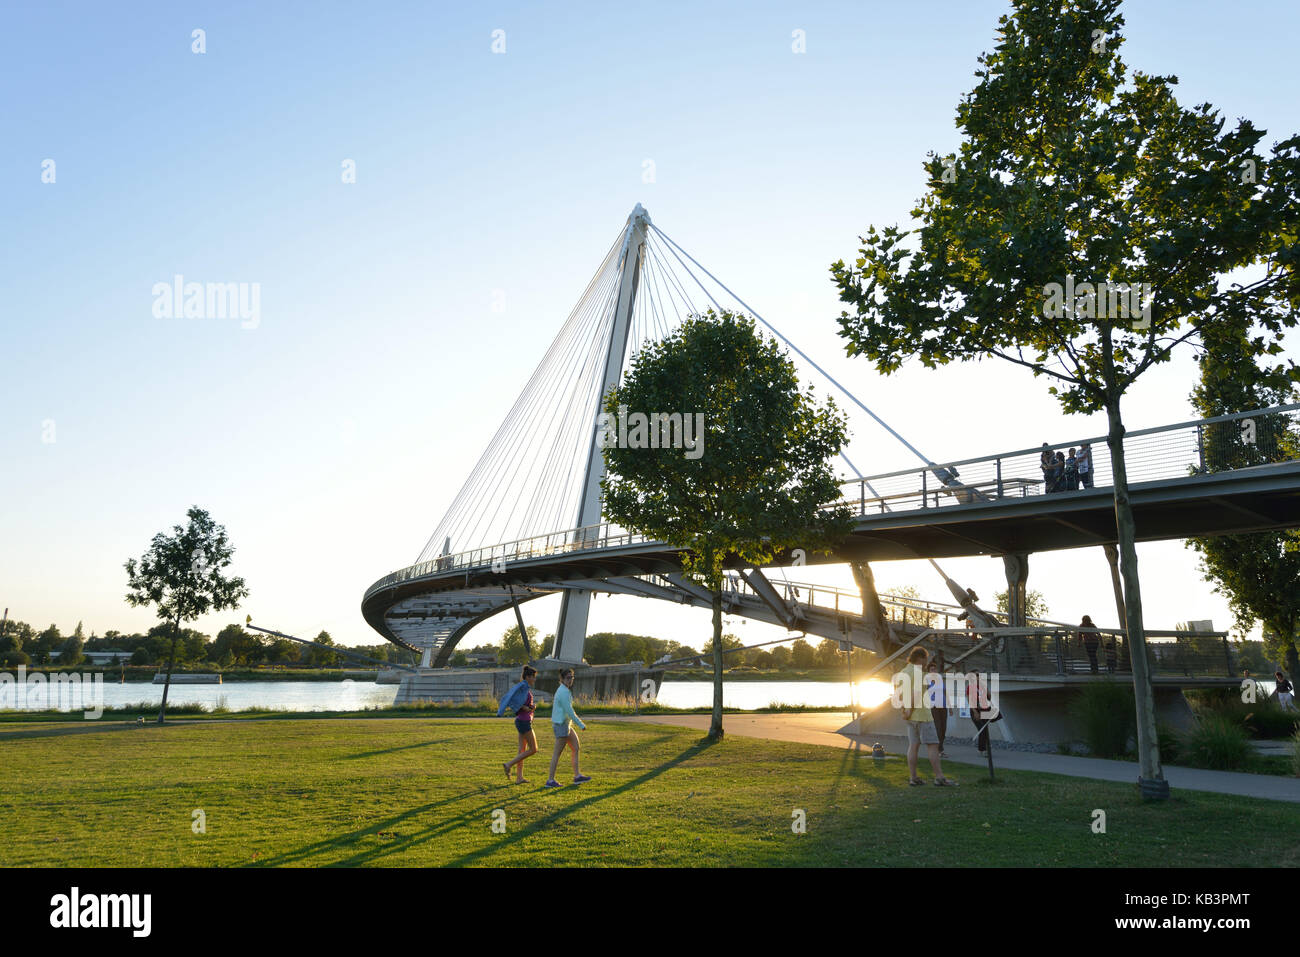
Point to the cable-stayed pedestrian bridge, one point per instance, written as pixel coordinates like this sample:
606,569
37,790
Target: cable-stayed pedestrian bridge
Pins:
993,505
528,520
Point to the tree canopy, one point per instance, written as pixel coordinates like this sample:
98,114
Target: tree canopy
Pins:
758,479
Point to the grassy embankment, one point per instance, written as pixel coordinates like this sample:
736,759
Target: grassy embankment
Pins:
419,792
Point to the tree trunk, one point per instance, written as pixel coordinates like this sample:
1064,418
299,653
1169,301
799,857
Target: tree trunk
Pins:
1144,697
715,729
171,661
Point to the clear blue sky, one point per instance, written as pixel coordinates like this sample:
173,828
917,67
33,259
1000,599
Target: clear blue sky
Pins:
330,439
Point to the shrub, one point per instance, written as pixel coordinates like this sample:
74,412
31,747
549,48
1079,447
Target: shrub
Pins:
1105,717
1217,742
1263,718
1168,741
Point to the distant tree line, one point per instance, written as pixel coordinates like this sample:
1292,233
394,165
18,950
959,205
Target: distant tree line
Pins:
617,648
234,646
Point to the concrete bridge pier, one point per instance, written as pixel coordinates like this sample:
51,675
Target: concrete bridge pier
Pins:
1016,566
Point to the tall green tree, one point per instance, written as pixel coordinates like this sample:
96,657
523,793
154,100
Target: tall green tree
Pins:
758,480
73,652
322,657
181,577
46,644
242,646
1258,574
18,636
1069,169
512,650
1035,604
802,655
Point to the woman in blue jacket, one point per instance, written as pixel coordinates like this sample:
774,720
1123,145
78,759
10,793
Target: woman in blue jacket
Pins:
520,699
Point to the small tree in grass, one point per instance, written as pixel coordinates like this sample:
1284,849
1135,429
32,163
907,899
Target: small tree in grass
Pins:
757,482
181,577
1070,171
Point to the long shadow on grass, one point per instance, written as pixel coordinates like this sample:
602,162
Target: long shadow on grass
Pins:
693,751
473,816
297,856
400,747
64,729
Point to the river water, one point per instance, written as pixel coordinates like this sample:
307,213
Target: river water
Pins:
358,695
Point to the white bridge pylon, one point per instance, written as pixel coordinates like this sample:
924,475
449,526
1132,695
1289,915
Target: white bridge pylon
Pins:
575,606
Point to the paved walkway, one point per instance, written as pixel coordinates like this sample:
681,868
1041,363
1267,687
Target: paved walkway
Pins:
826,729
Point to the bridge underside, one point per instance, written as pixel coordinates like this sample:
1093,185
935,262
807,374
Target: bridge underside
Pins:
1239,502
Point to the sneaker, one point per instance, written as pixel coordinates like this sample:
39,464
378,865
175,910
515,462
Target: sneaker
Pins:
581,779
916,782
945,783
551,784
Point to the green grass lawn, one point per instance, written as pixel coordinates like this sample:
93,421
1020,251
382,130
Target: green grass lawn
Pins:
418,791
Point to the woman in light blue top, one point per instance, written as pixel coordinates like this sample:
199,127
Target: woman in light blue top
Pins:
562,714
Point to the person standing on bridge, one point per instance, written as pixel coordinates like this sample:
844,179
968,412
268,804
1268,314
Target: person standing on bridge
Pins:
520,698
1091,640
1071,472
562,714
1047,463
1084,464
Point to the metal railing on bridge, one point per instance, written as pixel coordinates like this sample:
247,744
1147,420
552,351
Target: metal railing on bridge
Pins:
1200,447
1073,652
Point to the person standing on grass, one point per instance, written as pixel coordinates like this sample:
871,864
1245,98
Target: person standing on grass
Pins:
920,722
935,698
520,700
1285,693
562,718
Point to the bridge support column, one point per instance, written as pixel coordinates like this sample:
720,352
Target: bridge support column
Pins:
1016,566
873,613
571,631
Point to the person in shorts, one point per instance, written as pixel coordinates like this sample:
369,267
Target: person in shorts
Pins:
920,722
520,697
563,717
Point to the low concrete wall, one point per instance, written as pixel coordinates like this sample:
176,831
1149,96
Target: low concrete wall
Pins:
1031,716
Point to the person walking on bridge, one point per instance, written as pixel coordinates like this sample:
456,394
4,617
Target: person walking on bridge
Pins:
520,700
562,714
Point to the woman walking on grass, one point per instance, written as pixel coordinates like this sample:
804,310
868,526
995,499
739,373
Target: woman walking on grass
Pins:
520,700
562,714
